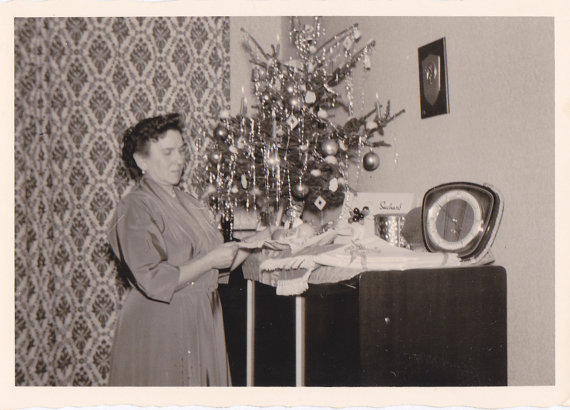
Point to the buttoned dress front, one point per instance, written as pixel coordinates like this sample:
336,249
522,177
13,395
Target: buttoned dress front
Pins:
166,337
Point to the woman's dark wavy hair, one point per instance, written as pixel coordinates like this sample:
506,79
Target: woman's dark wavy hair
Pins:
136,139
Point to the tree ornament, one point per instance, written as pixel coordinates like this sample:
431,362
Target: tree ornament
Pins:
215,157
320,203
310,97
371,124
300,190
241,143
234,189
290,87
292,121
295,103
370,161
331,159
273,160
329,147
356,215
316,172
220,131
333,185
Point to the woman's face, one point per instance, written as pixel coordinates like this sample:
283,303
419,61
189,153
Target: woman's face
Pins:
165,159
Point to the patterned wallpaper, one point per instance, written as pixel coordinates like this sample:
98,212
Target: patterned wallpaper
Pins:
79,83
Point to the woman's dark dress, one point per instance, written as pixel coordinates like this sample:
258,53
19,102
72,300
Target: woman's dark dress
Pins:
166,338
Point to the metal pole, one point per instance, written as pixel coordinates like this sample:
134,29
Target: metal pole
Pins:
250,337
299,341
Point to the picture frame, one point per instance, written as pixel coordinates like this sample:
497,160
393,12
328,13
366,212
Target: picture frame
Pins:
432,61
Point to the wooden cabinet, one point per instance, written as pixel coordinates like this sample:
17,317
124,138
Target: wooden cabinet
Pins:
423,327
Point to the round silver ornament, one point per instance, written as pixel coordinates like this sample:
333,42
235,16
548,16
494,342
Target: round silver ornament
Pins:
295,103
329,147
220,131
214,157
300,190
370,161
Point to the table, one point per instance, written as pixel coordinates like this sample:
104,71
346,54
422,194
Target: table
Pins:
420,327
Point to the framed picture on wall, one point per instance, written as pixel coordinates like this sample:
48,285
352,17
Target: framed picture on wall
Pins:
433,79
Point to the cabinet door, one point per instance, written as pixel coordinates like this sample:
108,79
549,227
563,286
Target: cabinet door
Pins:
331,334
429,327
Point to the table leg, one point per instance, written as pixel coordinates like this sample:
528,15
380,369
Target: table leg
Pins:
250,337
299,341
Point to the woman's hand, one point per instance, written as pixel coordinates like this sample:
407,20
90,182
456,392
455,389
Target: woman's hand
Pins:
223,256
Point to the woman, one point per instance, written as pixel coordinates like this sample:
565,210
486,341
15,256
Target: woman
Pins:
170,330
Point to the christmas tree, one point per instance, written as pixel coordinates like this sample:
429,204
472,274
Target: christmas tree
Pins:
290,152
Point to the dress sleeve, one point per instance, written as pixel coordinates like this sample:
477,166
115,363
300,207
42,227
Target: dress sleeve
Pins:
137,241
